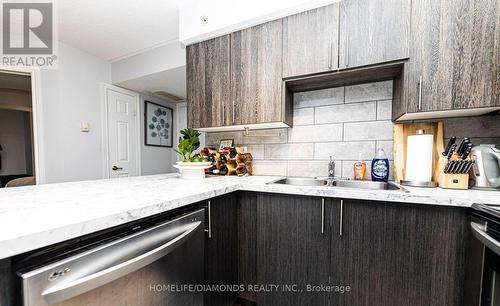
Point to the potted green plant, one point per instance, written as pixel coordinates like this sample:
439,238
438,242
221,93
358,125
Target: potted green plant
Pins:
192,165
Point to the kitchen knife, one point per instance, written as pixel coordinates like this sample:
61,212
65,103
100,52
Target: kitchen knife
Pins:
448,146
467,151
469,166
452,149
452,166
463,166
459,166
447,167
463,146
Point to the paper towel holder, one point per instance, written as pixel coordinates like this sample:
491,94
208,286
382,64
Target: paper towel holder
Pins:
425,184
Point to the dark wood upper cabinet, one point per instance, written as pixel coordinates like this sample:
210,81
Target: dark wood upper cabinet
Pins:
454,58
393,254
373,31
221,249
292,248
208,83
310,41
256,74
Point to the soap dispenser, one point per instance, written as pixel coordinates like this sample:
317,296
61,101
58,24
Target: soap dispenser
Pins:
380,167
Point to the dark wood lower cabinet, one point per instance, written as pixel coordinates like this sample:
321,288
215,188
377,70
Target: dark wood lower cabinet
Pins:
292,249
400,254
6,282
389,254
221,265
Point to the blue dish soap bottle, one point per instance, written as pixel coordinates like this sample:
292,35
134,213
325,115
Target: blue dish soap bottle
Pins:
380,167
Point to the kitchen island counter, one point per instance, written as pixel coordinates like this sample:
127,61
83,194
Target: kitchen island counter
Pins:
36,216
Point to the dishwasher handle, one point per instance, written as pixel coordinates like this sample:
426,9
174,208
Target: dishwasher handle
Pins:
66,289
479,231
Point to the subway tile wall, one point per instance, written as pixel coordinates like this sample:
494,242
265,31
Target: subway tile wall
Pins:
345,122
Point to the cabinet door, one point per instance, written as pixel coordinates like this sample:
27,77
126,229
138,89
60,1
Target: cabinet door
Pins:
256,69
221,265
373,31
292,248
454,58
310,41
208,79
401,254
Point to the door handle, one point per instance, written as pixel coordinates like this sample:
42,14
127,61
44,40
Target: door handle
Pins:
420,80
341,225
322,216
209,213
479,231
116,168
117,259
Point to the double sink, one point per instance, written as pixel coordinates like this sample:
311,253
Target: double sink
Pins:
297,181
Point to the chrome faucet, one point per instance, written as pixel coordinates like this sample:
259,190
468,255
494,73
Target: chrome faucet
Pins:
331,168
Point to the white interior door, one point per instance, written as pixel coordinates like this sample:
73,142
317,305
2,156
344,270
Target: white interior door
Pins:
122,133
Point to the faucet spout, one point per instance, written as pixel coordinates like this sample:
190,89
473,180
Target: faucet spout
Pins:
331,168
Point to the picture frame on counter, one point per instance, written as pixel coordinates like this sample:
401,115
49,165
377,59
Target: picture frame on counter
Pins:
225,143
158,125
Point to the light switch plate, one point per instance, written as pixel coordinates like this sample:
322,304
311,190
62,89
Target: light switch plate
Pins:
84,127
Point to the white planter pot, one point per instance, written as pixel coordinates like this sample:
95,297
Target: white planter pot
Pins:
193,171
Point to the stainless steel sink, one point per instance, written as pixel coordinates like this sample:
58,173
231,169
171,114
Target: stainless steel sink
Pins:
300,181
366,185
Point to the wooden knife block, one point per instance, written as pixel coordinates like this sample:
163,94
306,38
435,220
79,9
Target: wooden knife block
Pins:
451,180
454,181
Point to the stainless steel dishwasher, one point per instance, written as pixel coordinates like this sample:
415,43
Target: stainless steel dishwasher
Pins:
143,268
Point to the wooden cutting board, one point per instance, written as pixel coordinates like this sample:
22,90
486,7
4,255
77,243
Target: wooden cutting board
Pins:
401,133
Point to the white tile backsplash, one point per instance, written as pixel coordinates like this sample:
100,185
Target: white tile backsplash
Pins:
319,97
368,92
344,150
315,133
346,113
303,116
289,151
345,122
374,130
384,110
311,168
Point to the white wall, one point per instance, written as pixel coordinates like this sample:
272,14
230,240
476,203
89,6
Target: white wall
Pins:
226,16
169,56
69,94
156,160
13,141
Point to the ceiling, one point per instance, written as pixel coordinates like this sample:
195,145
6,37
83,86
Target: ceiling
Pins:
172,81
114,29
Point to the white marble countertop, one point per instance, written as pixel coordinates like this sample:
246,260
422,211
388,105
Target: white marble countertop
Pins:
37,216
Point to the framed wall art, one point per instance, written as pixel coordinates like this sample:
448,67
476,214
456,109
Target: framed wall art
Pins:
158,125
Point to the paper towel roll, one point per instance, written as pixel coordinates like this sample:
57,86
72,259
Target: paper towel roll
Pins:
419,158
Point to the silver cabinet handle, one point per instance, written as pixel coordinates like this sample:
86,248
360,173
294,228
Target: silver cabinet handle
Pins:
420,79
330,55
347,50
209,211
322,216
340,217
224,115
233,113
479,231
114,260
